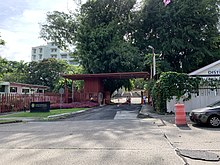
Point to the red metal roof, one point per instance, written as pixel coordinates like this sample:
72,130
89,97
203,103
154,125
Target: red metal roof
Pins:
121,75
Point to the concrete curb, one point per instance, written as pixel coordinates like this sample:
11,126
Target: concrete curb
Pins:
143,113
19,119
68,115
9,122
49,118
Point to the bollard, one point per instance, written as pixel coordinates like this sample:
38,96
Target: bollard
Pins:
180,115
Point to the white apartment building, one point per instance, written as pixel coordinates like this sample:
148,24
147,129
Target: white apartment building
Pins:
51,51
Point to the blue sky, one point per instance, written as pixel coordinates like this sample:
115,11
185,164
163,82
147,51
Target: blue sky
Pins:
19,25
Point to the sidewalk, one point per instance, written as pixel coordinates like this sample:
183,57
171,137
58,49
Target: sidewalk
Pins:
195,145
148,111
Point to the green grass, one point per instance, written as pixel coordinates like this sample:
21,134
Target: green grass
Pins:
41,114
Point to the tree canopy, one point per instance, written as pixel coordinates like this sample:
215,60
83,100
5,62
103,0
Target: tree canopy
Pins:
186,32
3,67
2,42
13,71
46,72
113,35
101,33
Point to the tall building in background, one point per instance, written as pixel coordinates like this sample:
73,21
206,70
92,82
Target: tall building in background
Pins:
51,51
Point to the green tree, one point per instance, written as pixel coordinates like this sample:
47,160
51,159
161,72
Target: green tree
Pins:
46,72
101,32
78,84
172,84
2,42
60,28
3,67
15,71
185,31
12,71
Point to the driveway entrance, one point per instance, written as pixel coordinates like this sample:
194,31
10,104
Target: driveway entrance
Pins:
109,112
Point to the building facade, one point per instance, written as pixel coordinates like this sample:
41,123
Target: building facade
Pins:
51,51
20,88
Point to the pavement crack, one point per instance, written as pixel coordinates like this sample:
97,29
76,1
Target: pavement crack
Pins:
182,157
164,124
176,149
168,140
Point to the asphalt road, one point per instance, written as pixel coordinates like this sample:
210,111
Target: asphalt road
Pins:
130,94
109,135
93,142
107,112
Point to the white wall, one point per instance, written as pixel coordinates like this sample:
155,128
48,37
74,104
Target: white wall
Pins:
206,97
46,53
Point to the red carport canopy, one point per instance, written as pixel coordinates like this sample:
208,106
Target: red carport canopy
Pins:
122,75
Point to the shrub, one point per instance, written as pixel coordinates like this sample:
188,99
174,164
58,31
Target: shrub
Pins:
173,84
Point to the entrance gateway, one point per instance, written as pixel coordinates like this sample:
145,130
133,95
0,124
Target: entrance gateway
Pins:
93,84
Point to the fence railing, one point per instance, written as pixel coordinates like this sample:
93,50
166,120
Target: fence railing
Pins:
21,102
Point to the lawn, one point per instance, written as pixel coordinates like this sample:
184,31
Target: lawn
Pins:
41,114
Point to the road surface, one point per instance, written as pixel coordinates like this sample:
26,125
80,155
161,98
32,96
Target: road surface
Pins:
110,135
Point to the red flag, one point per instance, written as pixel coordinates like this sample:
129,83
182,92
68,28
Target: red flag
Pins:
166,2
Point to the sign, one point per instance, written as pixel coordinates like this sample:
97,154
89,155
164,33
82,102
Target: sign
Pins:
61,91
214,72
40,107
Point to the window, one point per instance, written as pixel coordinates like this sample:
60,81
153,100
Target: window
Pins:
34,50
54,50
2,88
13,89
63,55
25,91
41,50
72,62
34,57
40,56
40,91
53,56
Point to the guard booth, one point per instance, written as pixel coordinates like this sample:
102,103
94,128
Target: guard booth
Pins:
93,84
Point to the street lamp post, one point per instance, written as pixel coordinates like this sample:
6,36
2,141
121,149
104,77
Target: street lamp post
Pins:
154,60
154,69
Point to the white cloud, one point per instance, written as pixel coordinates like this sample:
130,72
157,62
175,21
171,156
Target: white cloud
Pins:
18,45
21,35
21,31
